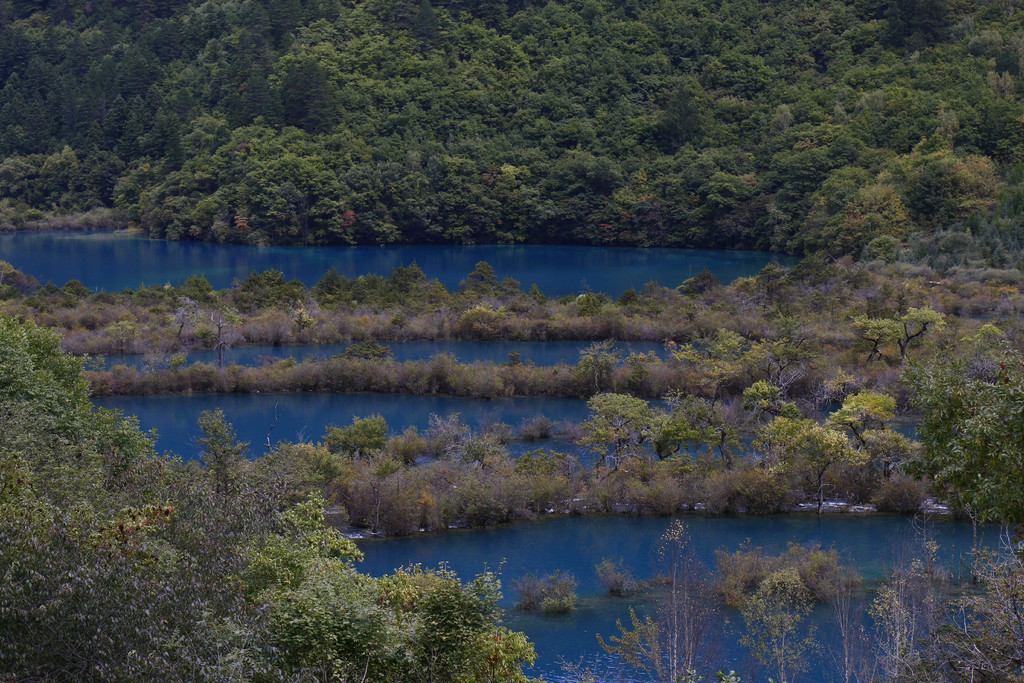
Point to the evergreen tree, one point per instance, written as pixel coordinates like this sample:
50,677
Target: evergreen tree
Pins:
221,451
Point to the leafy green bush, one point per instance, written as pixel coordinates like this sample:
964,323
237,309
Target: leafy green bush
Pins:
364,436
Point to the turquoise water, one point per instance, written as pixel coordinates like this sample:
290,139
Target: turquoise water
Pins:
91,257
536,352
872,545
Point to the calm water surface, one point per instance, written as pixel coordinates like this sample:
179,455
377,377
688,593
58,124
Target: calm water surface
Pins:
305,416
115,261
536,352
574,545
871,544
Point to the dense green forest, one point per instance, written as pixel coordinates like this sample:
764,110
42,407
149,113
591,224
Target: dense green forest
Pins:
793,126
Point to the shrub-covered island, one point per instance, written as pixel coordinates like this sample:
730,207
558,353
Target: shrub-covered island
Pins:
882,140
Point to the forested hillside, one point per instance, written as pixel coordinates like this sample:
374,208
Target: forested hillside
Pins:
793,125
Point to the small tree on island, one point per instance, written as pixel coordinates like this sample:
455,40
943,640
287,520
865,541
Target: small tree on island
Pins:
804,445
620,427
774,616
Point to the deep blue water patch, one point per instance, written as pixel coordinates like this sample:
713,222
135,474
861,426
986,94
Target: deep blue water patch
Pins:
871,544
305,416
114,261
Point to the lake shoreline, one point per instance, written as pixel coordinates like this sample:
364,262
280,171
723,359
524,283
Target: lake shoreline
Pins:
99,222
94,220
558,269
932,508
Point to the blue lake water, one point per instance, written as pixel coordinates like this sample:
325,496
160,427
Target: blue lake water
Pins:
536,352
872,545
114,261
305,416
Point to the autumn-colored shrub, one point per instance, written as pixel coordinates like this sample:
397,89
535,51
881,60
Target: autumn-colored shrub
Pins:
616,578
742,571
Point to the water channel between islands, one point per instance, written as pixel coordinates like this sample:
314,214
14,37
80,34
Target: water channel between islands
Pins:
114,261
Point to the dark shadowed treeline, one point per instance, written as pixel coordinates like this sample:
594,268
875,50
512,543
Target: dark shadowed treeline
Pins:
790,126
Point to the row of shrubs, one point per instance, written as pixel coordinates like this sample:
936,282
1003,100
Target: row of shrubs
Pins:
816,302
439,494
644,376
447,477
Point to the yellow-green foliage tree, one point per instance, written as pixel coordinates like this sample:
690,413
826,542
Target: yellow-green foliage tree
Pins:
808,448
775,616
863,411
619,427
695,423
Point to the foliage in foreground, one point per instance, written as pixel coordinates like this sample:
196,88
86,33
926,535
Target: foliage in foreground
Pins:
118,564
972,428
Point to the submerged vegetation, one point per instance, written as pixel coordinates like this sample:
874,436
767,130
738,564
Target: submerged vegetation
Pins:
552,594
815,332
777,389
228,569
922,627
888,342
